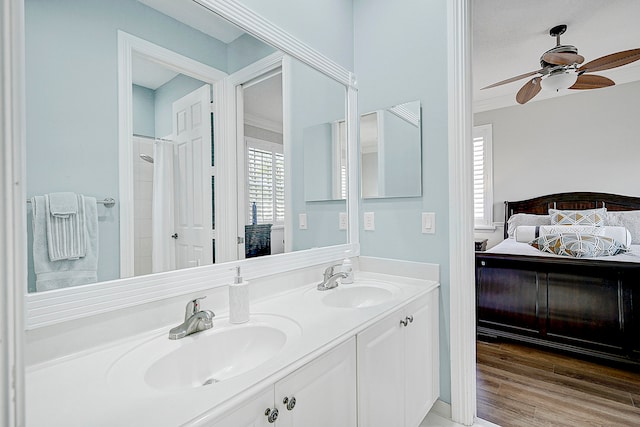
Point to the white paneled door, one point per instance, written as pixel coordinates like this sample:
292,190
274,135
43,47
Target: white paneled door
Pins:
192,134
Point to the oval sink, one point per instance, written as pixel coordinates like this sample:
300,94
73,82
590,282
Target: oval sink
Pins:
215,357
204,358
358,296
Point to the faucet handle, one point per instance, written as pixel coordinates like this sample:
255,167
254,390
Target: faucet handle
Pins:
328,272
193,307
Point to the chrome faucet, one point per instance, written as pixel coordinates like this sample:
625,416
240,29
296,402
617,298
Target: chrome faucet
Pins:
195,320
330,278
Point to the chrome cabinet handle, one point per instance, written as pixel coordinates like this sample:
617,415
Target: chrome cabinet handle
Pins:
174,236
406,320
290,403
271,414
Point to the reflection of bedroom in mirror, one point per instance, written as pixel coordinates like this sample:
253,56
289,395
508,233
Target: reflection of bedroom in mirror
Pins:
263,207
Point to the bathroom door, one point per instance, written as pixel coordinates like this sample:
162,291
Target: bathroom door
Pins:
192,135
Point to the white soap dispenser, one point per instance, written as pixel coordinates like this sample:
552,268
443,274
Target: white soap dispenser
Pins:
347,268
238,299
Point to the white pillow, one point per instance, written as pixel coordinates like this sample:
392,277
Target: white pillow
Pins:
519,219
628,219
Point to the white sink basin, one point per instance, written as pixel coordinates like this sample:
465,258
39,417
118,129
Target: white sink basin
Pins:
205,358
359,295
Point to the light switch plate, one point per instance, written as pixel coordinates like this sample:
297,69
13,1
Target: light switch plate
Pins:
302,221
342,221
428,222
369,221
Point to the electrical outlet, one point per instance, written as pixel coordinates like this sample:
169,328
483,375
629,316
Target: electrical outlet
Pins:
302,221
342,221
369,221
428,222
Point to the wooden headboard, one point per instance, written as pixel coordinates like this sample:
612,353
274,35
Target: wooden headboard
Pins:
570,201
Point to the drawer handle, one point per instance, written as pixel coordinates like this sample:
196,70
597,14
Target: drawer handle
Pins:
289,403
410,318
272,415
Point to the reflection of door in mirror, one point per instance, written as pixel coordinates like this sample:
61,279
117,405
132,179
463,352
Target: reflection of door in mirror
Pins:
263,207
192,172
171,148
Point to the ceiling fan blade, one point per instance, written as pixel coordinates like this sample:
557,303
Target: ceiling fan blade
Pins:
591,81
611,61
512,79
529,90
560,58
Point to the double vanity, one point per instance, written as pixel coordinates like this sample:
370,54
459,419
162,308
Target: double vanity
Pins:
361,354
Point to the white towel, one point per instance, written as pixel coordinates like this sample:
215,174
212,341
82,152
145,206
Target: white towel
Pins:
64,273
63,204
66,231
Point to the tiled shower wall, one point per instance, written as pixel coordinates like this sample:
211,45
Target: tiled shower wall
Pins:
143,194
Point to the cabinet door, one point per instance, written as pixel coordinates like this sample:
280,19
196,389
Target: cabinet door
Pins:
381,373
249,413
324,391
421,358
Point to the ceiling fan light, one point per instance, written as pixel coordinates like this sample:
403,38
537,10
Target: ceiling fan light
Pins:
559,81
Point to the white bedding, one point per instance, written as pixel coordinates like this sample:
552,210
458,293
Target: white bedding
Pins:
511,246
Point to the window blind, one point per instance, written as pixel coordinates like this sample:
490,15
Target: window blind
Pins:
265,175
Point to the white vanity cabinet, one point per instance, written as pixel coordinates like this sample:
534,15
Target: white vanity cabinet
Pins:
398,366
321,393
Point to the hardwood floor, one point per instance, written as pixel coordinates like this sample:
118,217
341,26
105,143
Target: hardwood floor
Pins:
522,386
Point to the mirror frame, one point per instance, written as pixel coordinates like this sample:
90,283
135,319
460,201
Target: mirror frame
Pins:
67,304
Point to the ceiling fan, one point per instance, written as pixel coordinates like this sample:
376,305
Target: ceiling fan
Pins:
561,69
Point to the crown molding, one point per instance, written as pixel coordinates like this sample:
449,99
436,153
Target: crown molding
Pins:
262,123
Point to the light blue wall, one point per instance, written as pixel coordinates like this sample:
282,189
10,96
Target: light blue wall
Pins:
144,101
401,55
72,100
402,175
315,100
245,50
325,25
166,95
318,162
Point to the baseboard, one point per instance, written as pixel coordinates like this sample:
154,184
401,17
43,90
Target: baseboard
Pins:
442,409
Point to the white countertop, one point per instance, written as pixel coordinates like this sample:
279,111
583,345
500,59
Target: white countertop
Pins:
83,391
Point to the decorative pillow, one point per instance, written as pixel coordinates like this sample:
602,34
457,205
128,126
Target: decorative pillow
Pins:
519,219
526,233
579,245
628,219
594,217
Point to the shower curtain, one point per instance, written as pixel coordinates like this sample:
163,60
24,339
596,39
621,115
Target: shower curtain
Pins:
163,250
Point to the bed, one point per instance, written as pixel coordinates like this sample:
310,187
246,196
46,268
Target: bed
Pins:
588,307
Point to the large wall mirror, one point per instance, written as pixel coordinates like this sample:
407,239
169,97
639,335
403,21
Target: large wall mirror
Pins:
390,141
198,160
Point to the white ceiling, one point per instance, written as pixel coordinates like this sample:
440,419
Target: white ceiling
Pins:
509,36
149,74
196,16
263,103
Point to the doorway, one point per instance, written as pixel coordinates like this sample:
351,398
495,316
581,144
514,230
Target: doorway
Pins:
261,158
